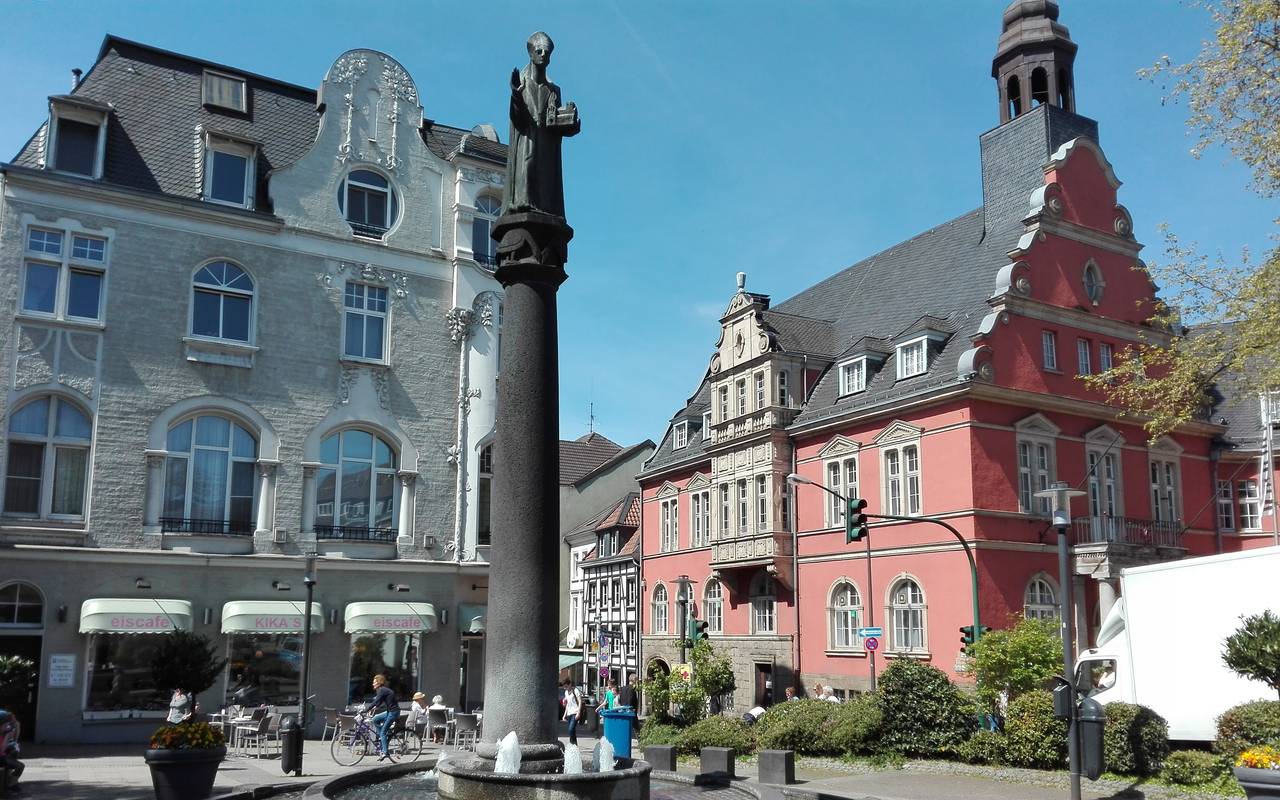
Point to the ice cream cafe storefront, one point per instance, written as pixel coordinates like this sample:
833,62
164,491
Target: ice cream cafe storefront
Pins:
264,650
123,636
387,638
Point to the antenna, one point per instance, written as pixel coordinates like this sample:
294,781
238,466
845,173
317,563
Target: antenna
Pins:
591,417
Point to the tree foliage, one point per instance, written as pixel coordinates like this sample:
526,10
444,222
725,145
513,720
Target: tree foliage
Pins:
1253,651
16,675
712,677
1232,307
1016,660
187,661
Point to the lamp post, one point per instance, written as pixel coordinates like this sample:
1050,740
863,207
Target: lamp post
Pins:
682,602
310,580
1061,493
795,479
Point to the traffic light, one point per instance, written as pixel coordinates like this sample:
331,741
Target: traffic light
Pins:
855,522
697,630
966,635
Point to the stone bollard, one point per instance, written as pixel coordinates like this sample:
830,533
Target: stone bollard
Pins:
777,766
718,762
661,756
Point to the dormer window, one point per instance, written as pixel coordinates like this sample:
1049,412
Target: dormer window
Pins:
368,203
913,358
680,435
224,91
77,136
853,376
229,172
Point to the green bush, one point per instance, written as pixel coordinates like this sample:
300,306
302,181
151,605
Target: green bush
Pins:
1135,740
1033,736
1016,660
1193,767
799,725
924,714
654,731
855,726
718,731
983,747
1248,724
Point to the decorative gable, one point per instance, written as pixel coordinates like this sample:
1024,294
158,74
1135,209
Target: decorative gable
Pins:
1037,425
898,431
668,489
698,481
839,447
1104,435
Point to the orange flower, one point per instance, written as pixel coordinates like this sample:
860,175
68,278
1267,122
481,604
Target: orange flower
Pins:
1261,757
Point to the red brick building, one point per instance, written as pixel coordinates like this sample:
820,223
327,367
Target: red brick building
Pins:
938,378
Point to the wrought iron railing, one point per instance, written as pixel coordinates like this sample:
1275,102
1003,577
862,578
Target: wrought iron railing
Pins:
355,533
221,527
486,259
365,229
1126,530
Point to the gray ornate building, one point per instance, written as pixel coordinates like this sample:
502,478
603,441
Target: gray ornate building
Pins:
247,320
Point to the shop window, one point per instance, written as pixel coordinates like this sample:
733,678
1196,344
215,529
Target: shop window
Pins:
392,655
120,673
264,668
210,481
46,472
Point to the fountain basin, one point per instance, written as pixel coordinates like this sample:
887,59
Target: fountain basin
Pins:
474,779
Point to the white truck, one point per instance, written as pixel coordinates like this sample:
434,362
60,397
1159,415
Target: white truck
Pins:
1161,645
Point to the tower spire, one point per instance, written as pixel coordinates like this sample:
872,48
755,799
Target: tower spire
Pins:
1034,59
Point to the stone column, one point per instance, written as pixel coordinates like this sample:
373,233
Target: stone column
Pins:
155,489
523,616
405,524
266,494
1107,595
309,501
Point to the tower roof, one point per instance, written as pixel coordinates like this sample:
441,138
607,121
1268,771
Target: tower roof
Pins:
1031,24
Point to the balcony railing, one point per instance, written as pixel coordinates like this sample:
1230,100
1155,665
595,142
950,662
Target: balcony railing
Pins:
486,259
355,533
1125,530
219,527
367,230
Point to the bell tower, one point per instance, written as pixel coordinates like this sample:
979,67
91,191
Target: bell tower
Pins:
1034,58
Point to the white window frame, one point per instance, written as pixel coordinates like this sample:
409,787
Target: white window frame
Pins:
67,263
205,99
784,397
1164,473
488,254
744,507
741,386
726,511
724,403
901,485
189,456
62,110
374,472
1049,350
1034,604
1250,495
1226,506
762,503
908,607
52,443
1037,466
224,290
701,511
764,604
680,435
669,511
364,311
215,143
762,391
658,608
836,472
706,425
853,376
1084,356
713,606
1105,357
844,617
909,364
1105,482
393,210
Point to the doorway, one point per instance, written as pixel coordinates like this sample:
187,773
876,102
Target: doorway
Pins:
22,635
763,695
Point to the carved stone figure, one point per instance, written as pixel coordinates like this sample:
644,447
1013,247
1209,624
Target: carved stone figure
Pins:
538,123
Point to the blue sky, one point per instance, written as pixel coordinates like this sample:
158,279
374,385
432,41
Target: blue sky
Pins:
786,140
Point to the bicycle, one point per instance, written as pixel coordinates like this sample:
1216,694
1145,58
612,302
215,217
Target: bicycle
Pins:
353,744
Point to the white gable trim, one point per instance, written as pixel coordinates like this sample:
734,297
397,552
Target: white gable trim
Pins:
668,489
839,446
898,431
1037,425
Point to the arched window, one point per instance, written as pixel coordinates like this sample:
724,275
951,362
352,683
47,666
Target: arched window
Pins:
483,247
1013,92
355,487
484,497
1040,600
908,615
713,606
222,303
48,465
368,203
1039,87
763,601
209,477
1093,283
659,617
20,606
845,613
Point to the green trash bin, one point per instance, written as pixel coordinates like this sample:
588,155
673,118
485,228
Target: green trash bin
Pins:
618,724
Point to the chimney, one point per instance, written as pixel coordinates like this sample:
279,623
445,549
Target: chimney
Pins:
76,72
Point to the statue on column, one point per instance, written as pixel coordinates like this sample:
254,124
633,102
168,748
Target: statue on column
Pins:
538,123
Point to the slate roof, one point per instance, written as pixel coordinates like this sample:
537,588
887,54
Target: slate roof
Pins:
623,514
580,457
664,454
1238,409
797,334
155,97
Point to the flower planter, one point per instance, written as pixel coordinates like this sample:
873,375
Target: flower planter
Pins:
1259,784
184,774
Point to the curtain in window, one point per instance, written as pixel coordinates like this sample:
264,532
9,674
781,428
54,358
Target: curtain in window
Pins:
209,484
69,474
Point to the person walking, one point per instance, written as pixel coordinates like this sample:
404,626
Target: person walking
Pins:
626,695
572,709
385,699
180,707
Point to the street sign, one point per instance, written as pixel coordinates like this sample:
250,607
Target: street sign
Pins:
871,643
608,634
865,632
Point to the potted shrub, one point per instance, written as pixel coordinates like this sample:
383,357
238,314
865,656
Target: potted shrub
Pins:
1258,771
184,758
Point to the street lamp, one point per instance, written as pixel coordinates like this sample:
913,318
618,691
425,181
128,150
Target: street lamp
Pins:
309,578
1060,494
795,479
682,602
